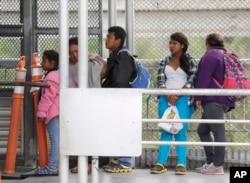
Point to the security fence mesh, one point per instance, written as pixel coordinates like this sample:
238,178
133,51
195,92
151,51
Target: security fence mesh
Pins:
45,22
156,20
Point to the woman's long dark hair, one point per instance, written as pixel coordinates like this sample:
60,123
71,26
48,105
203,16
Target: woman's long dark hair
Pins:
181,38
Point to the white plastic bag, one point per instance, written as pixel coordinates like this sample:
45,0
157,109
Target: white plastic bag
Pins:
171,127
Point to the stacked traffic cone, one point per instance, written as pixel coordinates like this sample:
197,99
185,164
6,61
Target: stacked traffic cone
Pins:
17,104
36,72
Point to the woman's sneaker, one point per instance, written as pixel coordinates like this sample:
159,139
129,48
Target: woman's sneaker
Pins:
203,167
158,168
213,170
180,170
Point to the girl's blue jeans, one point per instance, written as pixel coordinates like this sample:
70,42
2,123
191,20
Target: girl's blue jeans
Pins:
53,131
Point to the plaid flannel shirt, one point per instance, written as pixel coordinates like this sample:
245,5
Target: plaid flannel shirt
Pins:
161,77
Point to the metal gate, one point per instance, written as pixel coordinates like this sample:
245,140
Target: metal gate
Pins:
28,26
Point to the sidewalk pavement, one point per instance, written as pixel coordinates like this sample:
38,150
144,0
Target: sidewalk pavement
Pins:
136,176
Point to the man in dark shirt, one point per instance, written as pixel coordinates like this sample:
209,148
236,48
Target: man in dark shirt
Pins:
121,71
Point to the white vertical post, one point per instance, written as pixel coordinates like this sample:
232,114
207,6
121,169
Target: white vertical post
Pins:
64,44
82,169
64,168
130,24
112,12
64,73
83,72
83,43
95,168
130,36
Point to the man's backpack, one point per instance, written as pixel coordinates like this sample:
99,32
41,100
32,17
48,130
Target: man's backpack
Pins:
235,76
143,78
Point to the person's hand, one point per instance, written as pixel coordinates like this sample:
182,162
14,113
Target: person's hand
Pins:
40,119
92,56
172,99
198,104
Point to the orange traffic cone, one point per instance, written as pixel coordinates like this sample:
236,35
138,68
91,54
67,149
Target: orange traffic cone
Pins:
17,104
36,71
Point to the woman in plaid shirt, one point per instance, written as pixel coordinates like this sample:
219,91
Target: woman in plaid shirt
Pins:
176,71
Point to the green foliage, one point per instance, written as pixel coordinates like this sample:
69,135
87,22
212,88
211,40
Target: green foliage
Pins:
240,45
196,47
48,43
10,48
145,49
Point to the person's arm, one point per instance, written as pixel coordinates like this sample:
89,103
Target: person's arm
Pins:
161,77
207,68
104,64
47,98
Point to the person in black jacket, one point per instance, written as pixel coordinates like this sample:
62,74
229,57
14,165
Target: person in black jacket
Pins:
121,71
121,65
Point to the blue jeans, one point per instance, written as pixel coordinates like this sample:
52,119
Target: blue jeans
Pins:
185,112
53,131
123,160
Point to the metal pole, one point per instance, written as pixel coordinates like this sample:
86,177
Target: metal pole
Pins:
112,12
83,44
196,143
198,92
64,45
83,72
64,73
130,24
238,121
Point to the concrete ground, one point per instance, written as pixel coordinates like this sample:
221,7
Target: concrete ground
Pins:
137,176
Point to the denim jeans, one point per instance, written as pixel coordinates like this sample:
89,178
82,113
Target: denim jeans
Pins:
126,161
185,112
53,131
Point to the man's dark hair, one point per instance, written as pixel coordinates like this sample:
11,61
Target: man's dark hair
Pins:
73,41
119,33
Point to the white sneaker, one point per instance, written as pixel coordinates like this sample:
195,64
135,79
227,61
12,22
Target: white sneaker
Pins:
203,167
212,170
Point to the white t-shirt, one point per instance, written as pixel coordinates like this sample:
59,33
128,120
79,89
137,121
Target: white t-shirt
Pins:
176,79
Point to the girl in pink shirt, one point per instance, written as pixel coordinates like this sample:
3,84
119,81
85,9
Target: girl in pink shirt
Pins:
48,109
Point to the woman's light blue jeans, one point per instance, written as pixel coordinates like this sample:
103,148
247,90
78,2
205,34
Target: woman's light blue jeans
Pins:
126,161
185,112
53,131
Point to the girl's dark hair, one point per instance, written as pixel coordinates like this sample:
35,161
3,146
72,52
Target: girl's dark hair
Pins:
181,38
215,39
52,55
119,33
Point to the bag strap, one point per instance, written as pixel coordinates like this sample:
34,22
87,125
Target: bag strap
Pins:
217,83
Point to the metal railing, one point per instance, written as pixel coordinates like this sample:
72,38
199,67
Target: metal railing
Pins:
197,92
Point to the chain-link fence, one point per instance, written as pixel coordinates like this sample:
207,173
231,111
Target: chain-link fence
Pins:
45,25
156,20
